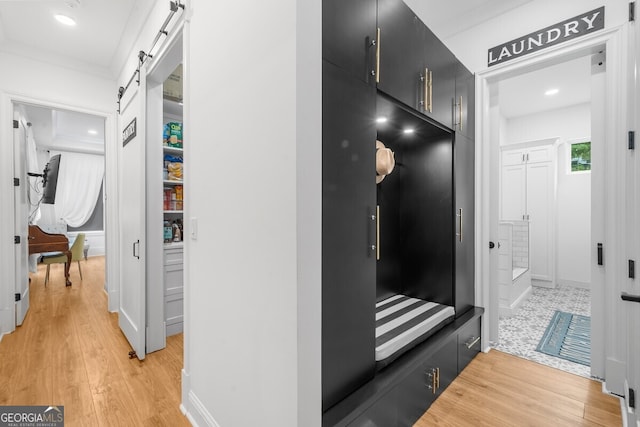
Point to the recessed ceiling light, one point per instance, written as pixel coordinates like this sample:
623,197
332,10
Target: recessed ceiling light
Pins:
408,130
551,92
66,20
92,132
381,120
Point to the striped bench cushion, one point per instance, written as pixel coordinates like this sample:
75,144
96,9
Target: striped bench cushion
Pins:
403,322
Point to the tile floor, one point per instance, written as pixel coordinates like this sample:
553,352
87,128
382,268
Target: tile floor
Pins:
520,333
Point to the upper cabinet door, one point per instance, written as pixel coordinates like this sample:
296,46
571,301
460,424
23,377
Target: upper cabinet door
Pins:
464,105
414,66
348,36
439,68
401,57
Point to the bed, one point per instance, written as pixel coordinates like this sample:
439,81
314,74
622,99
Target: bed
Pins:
403,322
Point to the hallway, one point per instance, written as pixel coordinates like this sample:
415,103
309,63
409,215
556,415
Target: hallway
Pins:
70,352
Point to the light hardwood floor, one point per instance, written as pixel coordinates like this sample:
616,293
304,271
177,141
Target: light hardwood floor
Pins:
497,389
70,352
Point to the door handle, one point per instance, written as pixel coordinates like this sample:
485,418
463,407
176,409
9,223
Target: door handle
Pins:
628,297
600,254
136,243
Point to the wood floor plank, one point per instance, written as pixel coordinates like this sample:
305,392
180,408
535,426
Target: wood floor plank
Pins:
497,389
70,351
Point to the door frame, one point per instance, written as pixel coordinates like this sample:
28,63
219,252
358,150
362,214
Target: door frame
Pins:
615,130
7,210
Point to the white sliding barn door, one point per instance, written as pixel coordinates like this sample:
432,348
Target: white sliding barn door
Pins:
131,182
21,219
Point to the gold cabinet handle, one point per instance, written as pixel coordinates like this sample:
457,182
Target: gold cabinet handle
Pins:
459,215
437,377
377,232
434,380
430,83
378,55
425,89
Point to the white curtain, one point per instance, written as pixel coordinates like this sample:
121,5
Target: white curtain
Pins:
34,186
79,181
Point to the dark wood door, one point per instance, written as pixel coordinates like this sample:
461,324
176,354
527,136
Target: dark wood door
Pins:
348,33
440,78
465,102
401,52
464,210
348,232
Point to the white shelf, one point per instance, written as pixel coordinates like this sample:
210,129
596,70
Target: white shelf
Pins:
172,245
171,107
172,150
173,212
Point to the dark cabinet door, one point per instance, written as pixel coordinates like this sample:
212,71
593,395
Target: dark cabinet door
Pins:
464,167
401,53
464,113
468,343
383,413
348,33
440,78
420,389
348,231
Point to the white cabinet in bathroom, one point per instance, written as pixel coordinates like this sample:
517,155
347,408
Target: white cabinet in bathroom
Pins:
527,192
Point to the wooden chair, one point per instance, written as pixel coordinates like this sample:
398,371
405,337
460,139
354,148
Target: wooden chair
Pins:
59,258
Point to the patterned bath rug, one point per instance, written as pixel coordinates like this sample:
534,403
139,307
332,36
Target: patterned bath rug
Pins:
568,337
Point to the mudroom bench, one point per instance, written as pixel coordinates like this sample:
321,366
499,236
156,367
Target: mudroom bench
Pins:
400,393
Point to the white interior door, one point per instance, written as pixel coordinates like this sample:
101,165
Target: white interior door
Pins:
131,182
21,219
539,209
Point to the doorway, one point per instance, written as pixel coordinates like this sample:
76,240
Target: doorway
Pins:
545,213
487,165
76,138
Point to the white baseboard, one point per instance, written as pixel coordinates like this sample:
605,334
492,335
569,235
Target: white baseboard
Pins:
543,283
574,284
616,376
197,414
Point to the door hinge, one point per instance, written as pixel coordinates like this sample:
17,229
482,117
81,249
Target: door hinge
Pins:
632,11
632,398
16,240
16,182
632,269
632,140
16,125
18,297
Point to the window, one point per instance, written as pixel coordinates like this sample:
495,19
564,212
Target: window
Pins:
581,156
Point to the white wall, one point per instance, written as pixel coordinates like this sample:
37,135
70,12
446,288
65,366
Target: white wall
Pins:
253,150
471,46
29,79
573,203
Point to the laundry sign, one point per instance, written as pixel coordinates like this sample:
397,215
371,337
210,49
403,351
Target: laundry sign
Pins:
129,132
578,26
